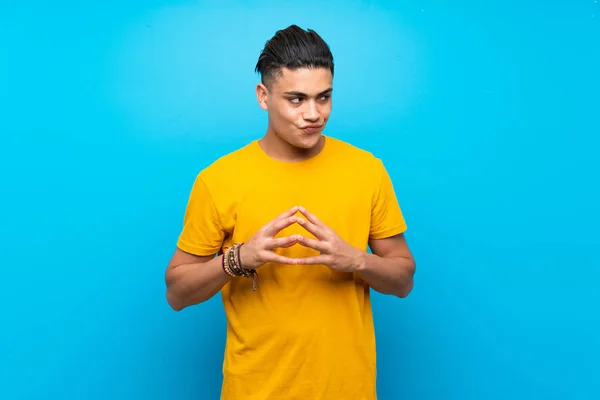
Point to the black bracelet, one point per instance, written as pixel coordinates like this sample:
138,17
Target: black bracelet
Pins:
248,273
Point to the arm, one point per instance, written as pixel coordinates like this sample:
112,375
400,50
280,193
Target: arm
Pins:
193,279
193,274
388,270
391,267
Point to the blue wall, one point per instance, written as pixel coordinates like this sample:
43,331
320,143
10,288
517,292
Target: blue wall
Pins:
486,114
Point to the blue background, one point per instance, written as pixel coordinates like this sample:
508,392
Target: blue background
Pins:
485,113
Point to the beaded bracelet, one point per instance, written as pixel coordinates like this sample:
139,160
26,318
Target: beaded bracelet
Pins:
232,265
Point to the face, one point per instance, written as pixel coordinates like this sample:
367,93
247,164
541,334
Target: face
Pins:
299,104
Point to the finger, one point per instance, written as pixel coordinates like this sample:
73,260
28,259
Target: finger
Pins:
318,245
311,217
287,213
280,217
286,241
274,257
312,228
322,259
277,225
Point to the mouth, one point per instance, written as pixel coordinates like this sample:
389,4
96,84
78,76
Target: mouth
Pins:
312,128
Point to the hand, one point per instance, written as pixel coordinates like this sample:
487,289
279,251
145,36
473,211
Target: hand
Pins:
335,251
258,250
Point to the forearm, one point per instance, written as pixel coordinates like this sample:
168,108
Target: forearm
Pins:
393,275
190,284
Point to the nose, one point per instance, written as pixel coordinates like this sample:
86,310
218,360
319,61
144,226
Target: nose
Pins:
311,113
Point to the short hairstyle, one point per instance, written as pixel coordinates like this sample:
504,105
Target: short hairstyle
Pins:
293,48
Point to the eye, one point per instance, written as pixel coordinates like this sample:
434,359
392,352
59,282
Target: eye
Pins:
295,100
325,97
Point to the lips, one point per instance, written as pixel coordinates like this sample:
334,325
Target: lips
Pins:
312,128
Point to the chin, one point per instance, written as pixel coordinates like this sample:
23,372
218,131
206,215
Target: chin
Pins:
308,141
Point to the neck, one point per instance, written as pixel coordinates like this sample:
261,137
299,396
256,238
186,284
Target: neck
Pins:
275,147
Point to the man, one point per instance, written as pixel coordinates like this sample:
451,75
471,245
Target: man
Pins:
291,216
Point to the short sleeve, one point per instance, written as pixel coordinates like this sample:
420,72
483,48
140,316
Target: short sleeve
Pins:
202,233
386,216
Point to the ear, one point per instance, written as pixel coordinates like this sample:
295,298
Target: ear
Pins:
262,95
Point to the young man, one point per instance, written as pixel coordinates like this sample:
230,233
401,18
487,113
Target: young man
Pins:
291,216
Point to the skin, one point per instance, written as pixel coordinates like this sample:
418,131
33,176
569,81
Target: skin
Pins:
294,100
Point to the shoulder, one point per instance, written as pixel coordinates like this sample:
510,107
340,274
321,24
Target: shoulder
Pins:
223,175
229,165
355,156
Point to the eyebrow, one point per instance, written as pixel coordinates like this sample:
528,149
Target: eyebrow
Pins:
300,94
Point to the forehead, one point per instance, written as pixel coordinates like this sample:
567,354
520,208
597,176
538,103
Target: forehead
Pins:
310,81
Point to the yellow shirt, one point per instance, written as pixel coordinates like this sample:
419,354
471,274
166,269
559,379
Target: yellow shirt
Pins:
307,332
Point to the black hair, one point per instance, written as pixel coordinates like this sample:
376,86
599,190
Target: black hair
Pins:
293,48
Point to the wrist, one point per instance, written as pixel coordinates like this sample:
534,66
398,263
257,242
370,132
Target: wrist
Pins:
246,257
360,263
